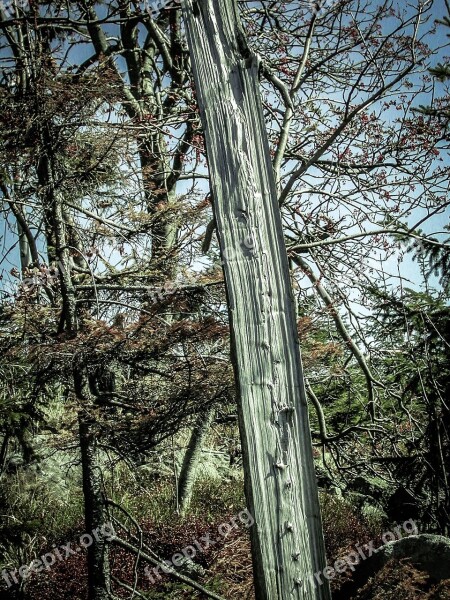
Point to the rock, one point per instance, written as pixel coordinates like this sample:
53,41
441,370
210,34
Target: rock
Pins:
369,508
427,552
370,486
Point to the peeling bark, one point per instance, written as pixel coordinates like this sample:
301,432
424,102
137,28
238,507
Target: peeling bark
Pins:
281,488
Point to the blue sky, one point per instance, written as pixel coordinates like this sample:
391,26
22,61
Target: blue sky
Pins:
10,257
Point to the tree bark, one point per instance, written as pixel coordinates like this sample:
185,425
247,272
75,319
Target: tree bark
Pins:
56,231
191,458
25,252
94,510
281,488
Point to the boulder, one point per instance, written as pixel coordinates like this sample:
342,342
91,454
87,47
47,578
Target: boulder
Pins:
427,552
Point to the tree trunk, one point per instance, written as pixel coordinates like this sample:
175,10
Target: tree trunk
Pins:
56,232
4,452
24,247
191,458
281,488
94,510
140,100
25,439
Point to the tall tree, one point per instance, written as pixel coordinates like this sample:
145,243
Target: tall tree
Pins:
287,541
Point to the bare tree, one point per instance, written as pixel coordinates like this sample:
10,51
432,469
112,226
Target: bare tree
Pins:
281,488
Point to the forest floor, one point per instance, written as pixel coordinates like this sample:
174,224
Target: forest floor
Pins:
225,566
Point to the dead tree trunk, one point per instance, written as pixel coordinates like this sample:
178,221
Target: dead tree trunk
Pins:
287,540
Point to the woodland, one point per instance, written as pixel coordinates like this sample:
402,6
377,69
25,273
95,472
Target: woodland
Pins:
224,300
